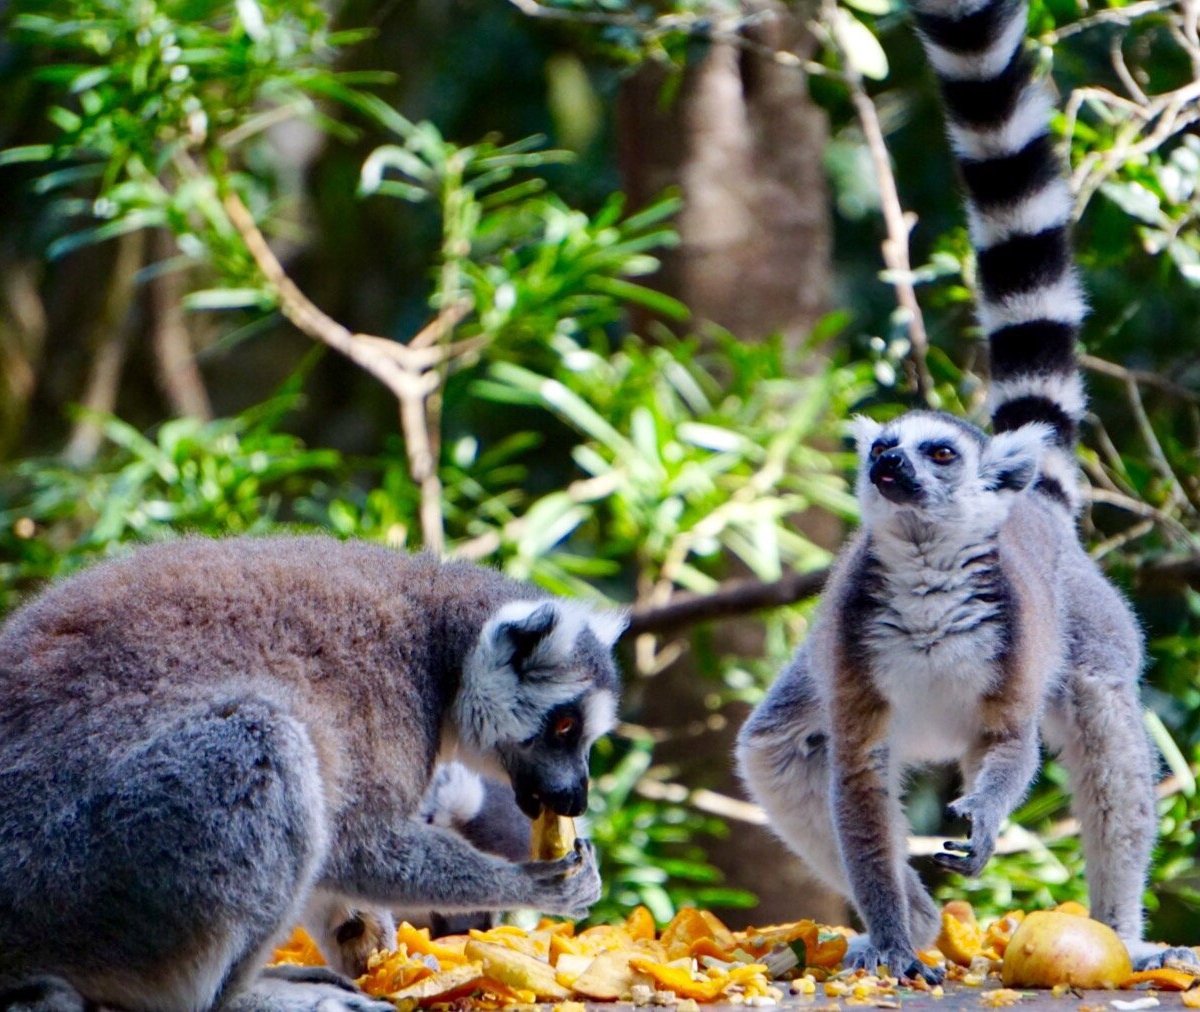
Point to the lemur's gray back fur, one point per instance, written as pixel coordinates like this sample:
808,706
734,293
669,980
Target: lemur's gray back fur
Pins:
200,739
965,620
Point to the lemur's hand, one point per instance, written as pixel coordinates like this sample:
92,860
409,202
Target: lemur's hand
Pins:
568,886
970,857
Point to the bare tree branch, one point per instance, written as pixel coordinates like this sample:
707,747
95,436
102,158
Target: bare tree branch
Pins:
411,374
177,370
111,339
736,597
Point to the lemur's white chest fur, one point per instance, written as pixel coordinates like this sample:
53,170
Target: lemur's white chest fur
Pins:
935,640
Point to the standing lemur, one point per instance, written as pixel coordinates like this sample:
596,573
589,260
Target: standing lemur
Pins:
205,738
965,620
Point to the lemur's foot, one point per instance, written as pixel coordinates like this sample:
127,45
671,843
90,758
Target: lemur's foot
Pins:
900,960
1152,956
355,938
43,994
304,989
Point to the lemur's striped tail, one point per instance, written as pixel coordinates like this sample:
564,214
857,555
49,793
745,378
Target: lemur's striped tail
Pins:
1019,210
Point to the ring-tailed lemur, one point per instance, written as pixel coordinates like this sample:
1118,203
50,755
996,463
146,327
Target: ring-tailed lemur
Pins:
198,737
482,810
965,620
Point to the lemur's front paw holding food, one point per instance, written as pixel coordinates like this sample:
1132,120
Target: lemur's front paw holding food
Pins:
568,886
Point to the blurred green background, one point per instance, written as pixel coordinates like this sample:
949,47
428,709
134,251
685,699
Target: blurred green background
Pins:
585,289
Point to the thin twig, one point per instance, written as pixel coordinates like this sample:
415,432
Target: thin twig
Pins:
1141,376
1142,509
110,335
1116,53
1116,15
1121,539
1158,456
897,222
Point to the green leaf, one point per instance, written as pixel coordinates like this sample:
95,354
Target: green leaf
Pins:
27,153
228,298
655,301
131,222
863,50
876,7
801,951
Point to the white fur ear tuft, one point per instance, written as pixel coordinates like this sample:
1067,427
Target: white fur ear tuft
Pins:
864,431
1010,460
608,624
523,630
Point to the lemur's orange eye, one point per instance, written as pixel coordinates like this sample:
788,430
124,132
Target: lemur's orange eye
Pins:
942,454
564,726
877,450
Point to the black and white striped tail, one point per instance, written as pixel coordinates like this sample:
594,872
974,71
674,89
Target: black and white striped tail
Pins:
1019,210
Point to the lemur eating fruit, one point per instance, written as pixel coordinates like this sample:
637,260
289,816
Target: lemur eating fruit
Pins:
203,739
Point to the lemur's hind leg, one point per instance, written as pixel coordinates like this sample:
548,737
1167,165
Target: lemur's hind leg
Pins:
1109,761
348,932
924,917
783,757
200,837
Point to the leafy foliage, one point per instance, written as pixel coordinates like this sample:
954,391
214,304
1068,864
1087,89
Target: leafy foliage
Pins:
237,475
576,454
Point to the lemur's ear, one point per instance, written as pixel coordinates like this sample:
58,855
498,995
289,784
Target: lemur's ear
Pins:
1010,460
607,625
864,431
524,630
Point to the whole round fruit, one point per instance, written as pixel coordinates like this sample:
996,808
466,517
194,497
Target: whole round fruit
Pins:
1050,947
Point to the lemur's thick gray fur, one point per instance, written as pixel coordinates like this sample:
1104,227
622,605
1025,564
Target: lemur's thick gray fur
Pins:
200,738
965,620
481,809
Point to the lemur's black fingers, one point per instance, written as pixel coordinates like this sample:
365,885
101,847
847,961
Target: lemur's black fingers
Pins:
962,865
962,846
930,974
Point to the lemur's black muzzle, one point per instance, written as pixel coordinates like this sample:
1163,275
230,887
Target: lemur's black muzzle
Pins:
563,796
893,474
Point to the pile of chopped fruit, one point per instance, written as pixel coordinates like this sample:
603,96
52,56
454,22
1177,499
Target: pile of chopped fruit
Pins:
697,959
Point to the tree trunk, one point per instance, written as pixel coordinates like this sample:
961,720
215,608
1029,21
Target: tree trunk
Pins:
743,142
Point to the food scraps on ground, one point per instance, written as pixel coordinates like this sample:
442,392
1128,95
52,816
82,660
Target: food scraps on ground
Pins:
697,959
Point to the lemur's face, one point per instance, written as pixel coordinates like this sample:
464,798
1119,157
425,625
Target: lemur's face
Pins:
538,690
941,467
